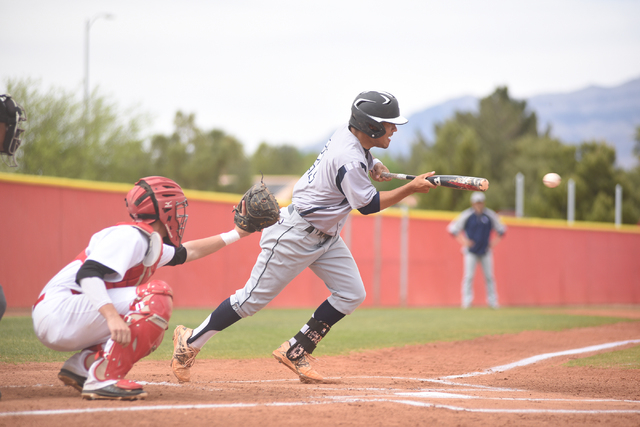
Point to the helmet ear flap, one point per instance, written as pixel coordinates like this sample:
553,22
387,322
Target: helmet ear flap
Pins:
365,124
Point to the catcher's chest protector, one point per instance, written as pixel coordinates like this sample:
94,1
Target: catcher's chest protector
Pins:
139,273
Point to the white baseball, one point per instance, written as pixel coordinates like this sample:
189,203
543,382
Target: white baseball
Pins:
551,180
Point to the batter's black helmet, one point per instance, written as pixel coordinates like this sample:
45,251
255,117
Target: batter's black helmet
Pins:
372,108
11,114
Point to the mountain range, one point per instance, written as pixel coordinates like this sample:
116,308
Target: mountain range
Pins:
609,114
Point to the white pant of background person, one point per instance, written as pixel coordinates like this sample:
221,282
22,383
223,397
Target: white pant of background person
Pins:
471,261
67,322
287,249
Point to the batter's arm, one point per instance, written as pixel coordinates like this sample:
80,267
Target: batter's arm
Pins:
419,185
376,172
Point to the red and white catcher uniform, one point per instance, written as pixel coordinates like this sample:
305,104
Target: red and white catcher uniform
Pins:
65,319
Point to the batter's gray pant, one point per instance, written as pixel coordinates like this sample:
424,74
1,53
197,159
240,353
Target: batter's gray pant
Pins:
287,249
470,262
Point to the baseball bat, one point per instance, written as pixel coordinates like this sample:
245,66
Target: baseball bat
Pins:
450,181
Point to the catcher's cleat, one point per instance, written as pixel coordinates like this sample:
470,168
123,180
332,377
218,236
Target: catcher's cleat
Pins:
75,370
71,379
300,366
184,356
122,390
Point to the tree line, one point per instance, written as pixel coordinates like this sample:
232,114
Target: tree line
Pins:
498,141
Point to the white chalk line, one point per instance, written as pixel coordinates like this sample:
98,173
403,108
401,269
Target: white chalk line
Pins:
504,411
350,399
347,399
155,408
439,381
534,359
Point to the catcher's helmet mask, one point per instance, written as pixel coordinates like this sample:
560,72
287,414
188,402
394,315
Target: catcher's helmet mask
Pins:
157,198
11,114
370,109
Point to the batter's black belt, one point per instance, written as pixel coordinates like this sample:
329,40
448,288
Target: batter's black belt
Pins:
310,229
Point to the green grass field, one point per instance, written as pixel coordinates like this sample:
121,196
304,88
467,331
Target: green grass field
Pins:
621,359
367,328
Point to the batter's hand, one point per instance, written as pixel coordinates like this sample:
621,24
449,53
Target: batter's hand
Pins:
376,173
421,185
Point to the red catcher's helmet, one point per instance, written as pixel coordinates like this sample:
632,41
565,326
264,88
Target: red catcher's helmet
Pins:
156,198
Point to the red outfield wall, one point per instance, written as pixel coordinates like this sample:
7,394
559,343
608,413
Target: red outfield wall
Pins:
48,221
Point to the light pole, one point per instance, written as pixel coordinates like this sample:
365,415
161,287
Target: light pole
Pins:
519,195
87,29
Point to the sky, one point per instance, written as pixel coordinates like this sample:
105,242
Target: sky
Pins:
286,72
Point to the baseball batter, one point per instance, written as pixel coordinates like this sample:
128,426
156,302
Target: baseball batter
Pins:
308,235
103,303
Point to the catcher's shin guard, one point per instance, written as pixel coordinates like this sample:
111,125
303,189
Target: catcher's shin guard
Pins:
148,318
308,338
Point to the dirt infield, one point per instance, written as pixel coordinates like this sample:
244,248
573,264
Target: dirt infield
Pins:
501,380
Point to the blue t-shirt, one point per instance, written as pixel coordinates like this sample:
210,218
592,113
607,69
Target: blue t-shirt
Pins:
477,227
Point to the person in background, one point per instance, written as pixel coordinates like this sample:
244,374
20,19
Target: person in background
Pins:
472,229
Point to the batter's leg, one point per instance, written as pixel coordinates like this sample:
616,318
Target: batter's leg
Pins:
338,270
286,251
188,342
295,354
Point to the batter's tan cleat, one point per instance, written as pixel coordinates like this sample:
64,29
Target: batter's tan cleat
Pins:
301,366
184,356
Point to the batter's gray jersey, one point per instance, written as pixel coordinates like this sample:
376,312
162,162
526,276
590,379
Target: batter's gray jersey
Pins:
337,183
308,234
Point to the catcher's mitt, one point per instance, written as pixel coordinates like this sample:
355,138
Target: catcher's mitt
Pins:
262,209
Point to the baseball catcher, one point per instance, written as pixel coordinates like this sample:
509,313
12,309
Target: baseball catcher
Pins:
11,114
262,209
104,304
